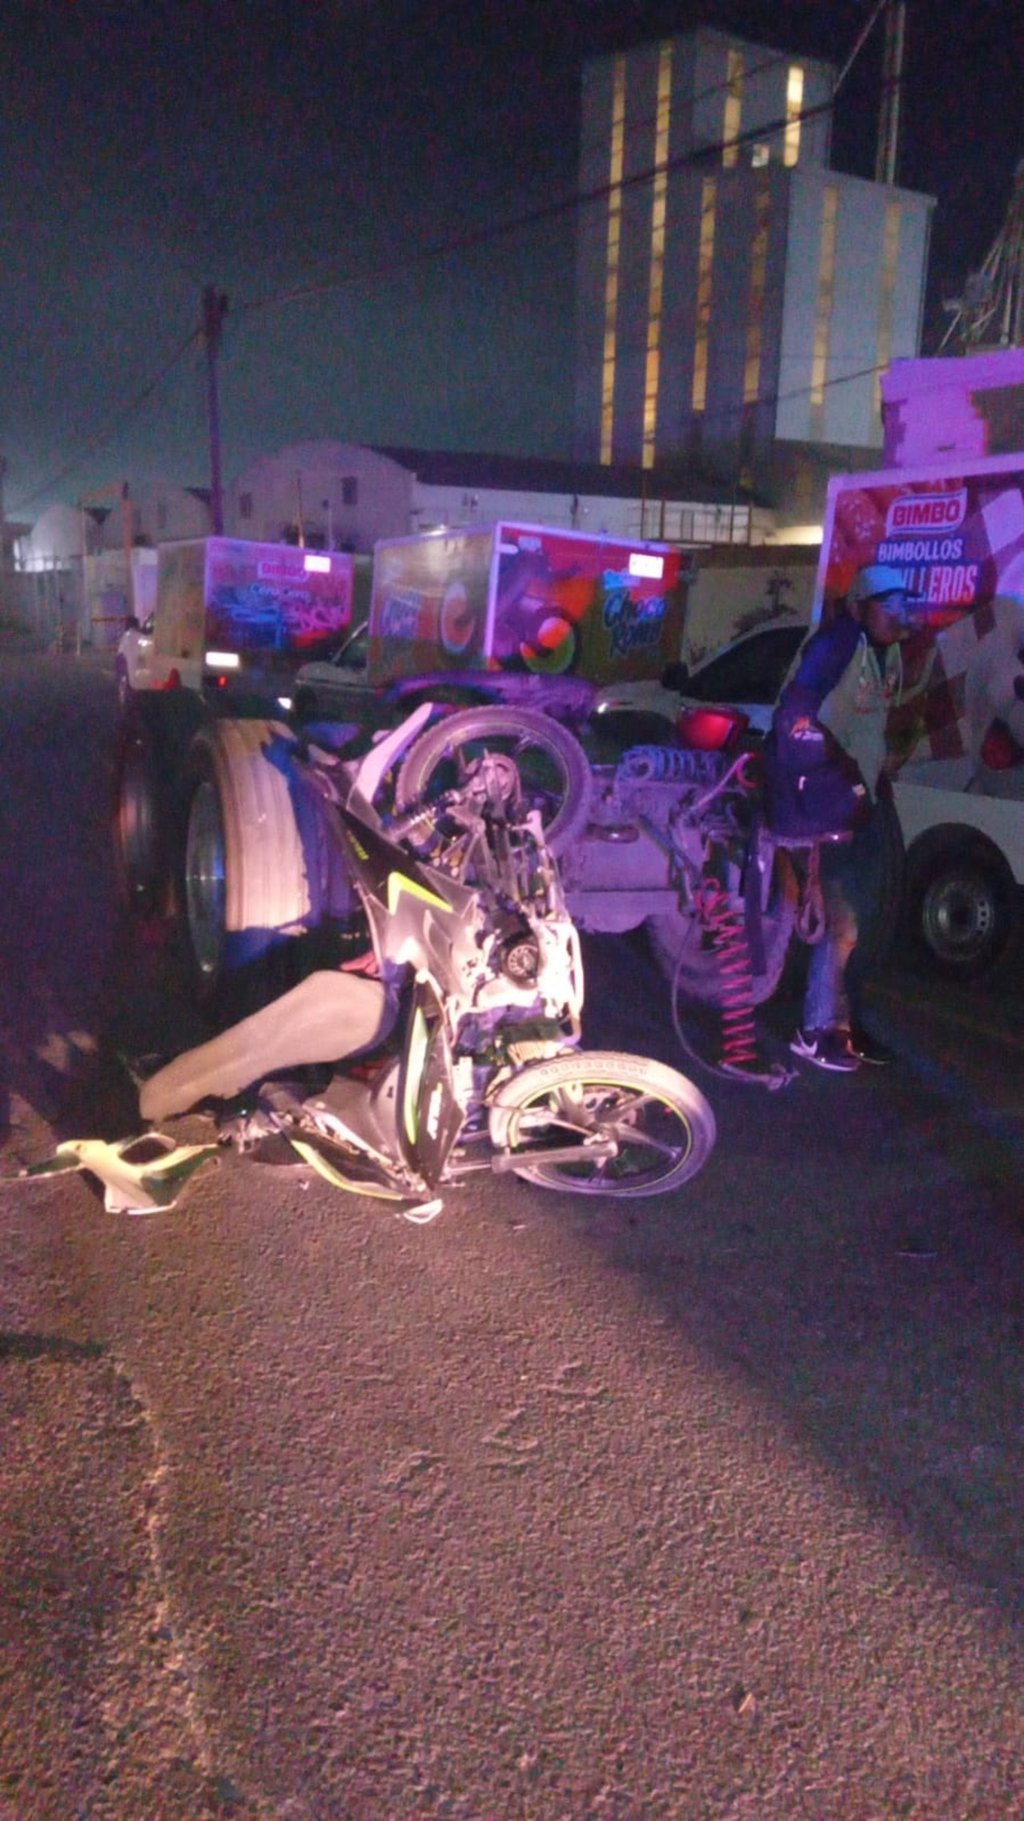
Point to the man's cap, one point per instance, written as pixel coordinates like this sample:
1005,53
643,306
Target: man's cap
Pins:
875,582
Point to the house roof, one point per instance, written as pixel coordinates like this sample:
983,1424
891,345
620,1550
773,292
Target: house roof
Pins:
538,474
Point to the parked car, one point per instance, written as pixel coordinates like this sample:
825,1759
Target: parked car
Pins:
332,688
336,688
746,674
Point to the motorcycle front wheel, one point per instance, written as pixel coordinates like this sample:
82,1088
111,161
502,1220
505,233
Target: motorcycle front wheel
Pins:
662,1125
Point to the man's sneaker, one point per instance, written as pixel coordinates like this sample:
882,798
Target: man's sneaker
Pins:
868,1049
827,1049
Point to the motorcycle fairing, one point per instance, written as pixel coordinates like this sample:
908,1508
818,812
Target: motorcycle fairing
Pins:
139,1175
343,1168
429,1114
327,1014
394,886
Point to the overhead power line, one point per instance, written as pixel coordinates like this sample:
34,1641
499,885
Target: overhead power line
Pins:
710,155
128,410
474,238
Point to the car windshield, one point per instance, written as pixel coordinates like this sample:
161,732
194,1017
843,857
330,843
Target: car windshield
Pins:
354,654
752,671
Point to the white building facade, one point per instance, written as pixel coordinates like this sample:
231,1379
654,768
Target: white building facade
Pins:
330,495
327,495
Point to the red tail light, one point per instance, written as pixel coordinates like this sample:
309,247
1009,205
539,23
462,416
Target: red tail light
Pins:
710,729
999,749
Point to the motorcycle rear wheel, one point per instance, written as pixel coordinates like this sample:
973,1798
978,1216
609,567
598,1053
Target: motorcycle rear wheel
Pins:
551,763
662,1122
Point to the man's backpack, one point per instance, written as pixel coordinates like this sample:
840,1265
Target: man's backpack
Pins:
812,787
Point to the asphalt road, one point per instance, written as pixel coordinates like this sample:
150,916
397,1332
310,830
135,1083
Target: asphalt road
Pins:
707,1507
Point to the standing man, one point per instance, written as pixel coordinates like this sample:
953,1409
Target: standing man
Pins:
846,675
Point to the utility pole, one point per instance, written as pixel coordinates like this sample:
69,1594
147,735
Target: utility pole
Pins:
990,314
892,78
215,308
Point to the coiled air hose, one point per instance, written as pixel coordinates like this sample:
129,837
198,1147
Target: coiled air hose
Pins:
727,926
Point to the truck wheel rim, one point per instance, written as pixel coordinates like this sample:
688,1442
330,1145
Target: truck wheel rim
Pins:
205,885
959,919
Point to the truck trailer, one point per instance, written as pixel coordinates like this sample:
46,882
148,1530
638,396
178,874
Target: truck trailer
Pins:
215,832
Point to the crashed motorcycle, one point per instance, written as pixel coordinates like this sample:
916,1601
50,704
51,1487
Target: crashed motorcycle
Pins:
461,1045
671,837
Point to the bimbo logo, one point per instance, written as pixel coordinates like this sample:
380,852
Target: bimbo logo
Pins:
916,512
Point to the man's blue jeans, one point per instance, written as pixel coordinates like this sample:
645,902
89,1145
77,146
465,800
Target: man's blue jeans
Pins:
851,881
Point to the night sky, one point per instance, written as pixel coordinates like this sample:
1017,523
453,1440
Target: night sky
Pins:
329,165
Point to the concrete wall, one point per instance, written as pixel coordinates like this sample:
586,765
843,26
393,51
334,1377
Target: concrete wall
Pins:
673,520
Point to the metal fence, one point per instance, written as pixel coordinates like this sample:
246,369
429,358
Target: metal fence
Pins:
51,607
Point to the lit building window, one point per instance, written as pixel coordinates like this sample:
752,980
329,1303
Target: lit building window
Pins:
733,107
755,299
825,295
886,294
657,279
794,110
705,260
760,154
611,280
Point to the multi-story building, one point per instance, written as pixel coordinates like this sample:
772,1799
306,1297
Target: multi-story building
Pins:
737,299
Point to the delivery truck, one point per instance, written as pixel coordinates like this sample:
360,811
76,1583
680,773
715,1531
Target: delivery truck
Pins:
508,612
524,600
954,530
227,611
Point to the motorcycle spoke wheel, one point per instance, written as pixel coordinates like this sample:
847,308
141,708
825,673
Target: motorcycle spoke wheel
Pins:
551,767
662,1126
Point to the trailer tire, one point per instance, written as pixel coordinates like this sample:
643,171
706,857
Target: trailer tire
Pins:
152,735
251,874
142,816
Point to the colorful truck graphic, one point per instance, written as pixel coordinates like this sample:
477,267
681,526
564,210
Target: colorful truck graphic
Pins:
525,599
224,603
956,726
